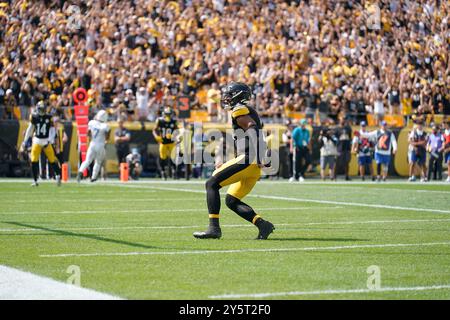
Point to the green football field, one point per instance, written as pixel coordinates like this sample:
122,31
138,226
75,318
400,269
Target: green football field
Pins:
332,240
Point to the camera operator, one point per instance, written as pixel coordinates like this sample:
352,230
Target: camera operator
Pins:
328,152
134,163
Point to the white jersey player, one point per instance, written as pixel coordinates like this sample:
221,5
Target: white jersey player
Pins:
99,132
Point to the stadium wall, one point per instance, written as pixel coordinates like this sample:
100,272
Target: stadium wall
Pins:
12,132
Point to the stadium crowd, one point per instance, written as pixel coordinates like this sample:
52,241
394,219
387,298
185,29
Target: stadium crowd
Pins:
326,59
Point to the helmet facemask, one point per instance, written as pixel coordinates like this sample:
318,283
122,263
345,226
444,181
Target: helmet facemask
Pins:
234,94
40,108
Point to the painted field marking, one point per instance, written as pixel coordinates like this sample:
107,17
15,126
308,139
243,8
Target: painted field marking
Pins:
20,285
324,292
355,204
229,225
264,250
128,200
154,210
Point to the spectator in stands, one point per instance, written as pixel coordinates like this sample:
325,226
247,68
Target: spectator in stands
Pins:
328,152
301,139
344,145
122,139
10,104
418,140
441,100
378,106
213,103
435,148
129,101
196,44
142,101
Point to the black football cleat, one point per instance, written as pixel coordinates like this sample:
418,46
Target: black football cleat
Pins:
211,233
79,177
265,229
35,184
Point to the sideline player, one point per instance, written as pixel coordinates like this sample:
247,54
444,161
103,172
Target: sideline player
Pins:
242,172
39,128
163,133
99,131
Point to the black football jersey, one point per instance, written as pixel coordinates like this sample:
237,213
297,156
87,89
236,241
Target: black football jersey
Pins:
42,125
242,143
166,129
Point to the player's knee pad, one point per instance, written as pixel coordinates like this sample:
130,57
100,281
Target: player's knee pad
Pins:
231,201
212,184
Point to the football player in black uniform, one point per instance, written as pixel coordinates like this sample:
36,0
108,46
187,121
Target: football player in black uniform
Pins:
163,133
40,124
242,172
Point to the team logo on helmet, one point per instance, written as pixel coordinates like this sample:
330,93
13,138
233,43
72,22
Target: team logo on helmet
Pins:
235,93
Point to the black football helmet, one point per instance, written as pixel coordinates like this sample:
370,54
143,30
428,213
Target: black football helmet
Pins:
40,107
235,93
168,112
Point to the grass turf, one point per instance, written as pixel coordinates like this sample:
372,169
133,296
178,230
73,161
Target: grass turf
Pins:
104,220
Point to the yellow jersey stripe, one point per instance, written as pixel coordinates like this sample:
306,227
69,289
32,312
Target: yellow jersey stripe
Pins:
242,111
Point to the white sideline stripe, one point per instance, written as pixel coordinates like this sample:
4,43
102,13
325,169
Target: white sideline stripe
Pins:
229,225
355,204
147,181
265,250
128,200
20,285
363,188
316,292
61,194
154,210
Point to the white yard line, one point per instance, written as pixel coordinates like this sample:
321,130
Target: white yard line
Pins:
363,188
264,250
356,204
155,210
19,285
225,225
127,200
325,292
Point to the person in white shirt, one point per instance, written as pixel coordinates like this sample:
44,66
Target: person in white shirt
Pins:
385,144
328,152
363,148
378,106
142,99
98,131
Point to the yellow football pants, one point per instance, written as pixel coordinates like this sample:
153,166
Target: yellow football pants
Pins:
239,176
165,150
36,152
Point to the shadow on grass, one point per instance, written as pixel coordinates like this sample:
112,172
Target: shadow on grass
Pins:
82,235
